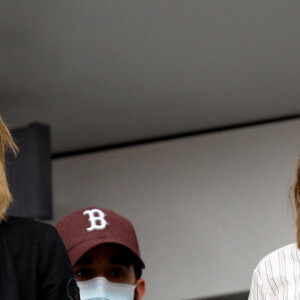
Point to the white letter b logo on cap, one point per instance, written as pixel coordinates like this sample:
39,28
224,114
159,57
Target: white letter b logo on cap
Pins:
96,218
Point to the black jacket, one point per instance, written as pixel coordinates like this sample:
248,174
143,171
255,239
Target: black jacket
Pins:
34,264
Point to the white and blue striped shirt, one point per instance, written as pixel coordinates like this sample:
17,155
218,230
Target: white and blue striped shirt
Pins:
277,276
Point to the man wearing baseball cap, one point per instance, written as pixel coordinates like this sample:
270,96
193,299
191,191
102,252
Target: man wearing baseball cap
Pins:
105,254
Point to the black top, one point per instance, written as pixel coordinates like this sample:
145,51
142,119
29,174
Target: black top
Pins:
34,264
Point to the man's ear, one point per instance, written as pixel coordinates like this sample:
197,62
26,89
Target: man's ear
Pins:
140,288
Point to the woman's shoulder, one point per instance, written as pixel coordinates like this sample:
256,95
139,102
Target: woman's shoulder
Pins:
24,223
287,254
17,227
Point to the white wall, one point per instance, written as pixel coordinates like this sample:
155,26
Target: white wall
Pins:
205,208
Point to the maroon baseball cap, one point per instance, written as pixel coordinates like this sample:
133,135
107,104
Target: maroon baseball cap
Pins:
93,226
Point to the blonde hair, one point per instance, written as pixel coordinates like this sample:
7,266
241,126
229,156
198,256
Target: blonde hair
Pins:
6,142
296,191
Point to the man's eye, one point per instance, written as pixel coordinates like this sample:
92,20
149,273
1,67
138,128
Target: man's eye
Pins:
83,273
117,273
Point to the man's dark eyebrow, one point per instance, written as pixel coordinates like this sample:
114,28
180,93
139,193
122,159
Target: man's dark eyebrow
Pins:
123,261
85,260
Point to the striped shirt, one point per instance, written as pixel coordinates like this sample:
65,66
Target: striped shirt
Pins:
277,276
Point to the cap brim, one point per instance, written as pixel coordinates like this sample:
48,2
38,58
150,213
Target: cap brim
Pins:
79,250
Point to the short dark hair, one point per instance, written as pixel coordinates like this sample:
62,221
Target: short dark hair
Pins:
133,260
137,269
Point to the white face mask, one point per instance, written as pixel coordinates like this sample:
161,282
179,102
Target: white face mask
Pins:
99,288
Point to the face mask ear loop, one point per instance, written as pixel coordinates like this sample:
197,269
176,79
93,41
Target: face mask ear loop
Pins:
73,288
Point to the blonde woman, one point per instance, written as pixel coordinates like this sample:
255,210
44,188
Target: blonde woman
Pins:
277,276
33,261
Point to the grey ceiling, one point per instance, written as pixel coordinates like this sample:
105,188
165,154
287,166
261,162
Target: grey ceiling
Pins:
106,72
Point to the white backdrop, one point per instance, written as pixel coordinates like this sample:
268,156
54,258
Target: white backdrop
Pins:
206,208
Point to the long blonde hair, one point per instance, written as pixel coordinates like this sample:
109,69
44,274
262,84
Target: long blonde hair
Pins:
6,142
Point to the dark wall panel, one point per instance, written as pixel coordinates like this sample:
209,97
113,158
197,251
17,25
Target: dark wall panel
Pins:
235,296
29,174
